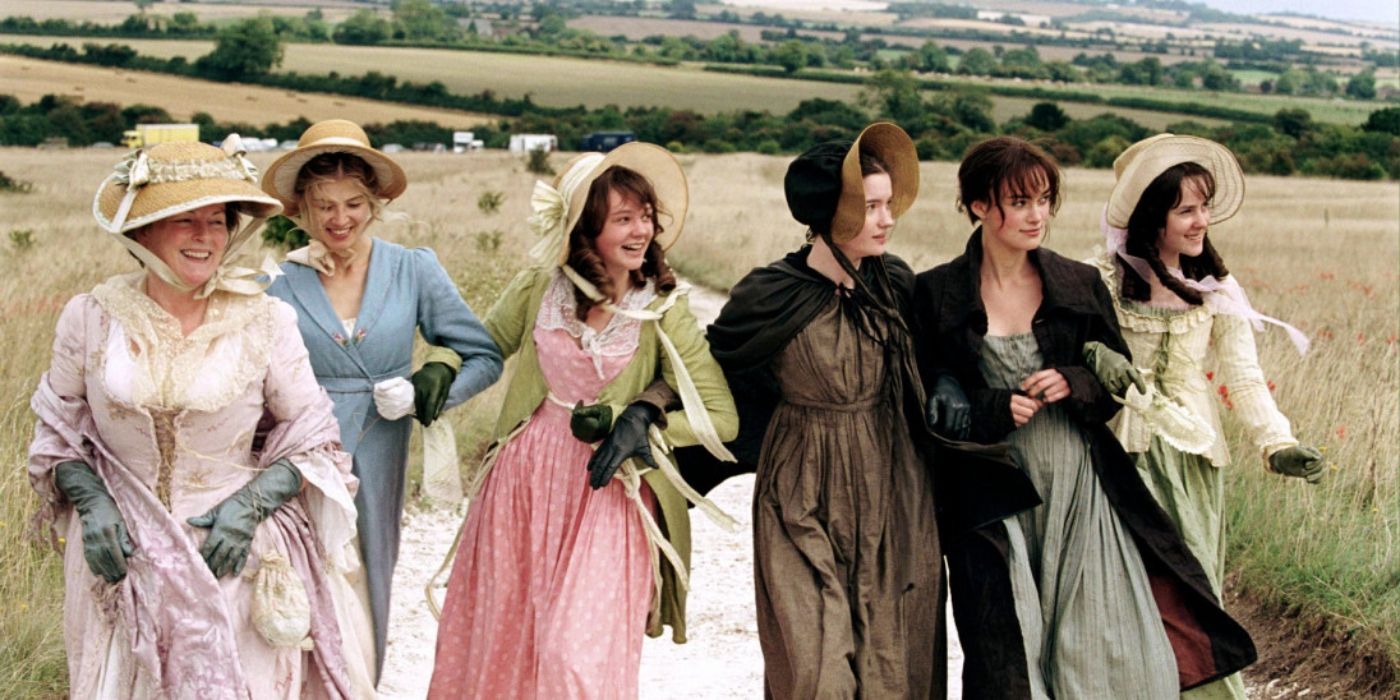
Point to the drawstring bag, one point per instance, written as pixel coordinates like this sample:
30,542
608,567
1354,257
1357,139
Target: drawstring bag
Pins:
281,610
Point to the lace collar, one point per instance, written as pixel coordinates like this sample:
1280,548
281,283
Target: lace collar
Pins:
618,337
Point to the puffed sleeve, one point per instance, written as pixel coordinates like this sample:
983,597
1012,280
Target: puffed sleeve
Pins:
445,320
683,330
1238,365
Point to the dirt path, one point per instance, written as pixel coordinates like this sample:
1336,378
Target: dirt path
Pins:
721,658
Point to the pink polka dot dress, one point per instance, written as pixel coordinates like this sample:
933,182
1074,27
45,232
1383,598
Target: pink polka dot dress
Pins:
549,593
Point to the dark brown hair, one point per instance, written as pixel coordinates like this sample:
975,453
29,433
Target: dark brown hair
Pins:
1145,230
1005,163
583,256
870,164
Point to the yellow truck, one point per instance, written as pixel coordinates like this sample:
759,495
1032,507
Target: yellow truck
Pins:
150,134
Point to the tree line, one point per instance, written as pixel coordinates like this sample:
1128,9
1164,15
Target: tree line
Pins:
943,123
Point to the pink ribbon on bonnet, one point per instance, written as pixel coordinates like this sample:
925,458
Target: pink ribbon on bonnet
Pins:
1221,296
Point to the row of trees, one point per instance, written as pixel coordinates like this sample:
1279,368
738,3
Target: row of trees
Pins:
420,22
944,125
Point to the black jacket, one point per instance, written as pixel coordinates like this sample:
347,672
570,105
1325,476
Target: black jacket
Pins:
949,324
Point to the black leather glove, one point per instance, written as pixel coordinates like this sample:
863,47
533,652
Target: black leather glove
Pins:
949,411
590,423
627,440
431,384
1302,462
233,521
106,544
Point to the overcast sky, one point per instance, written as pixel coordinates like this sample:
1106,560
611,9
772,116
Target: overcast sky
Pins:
1386,11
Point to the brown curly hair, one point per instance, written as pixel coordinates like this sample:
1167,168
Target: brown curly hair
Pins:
1145,229
583,256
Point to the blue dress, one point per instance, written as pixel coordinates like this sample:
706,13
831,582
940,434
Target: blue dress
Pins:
405,290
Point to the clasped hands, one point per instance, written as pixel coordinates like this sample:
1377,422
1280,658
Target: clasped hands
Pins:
623,439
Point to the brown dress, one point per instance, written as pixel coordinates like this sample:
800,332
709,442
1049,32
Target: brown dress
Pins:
847,565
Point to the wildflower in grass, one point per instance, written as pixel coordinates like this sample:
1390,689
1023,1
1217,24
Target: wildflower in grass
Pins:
1325,334
1210,376
1224,392
1327,276
1360,338
1272,386
1391,340
1341,432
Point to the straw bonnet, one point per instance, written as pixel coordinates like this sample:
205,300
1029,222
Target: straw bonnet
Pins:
331,136
556,207
155,183
826,191
1143,161
169,178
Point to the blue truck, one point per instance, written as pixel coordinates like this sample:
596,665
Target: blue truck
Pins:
605,141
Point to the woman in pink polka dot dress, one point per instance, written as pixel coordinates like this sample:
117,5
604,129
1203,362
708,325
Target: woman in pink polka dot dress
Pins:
565,559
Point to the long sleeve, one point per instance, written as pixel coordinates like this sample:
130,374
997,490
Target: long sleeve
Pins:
680,325
1088,400
505,322
1240,372
445,320
60,403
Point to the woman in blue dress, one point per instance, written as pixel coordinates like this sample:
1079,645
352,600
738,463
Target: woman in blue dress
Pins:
359,300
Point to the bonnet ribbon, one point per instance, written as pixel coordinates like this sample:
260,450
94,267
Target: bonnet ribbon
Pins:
135,171
1221,296
549,210
316,256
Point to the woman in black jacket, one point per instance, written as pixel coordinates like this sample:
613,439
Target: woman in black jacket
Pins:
1092,593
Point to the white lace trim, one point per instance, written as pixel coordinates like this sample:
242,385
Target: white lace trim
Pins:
1130,316
617,339
204,371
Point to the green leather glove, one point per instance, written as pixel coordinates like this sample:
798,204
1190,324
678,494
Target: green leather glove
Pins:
431,383
232,522
1299,461
628,439
590,423
105,542
1114,371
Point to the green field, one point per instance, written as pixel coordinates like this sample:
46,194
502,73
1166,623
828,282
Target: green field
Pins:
555,81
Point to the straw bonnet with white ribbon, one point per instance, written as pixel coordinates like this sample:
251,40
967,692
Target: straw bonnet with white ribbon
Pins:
331,136
556,207
166,179
1142,162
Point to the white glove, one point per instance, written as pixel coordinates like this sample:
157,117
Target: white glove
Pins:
394,398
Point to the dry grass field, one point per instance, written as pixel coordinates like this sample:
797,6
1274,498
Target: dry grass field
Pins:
558,81
30,79
1321,254
114,11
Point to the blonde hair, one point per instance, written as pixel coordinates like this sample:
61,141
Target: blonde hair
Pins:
328,168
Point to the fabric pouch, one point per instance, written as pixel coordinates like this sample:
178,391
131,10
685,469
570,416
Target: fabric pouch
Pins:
281,609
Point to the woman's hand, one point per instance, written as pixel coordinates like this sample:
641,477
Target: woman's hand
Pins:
627,440
1047,386
106,544
431,384
1024,408
1299,461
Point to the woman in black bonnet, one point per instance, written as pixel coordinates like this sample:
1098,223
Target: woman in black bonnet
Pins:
847,560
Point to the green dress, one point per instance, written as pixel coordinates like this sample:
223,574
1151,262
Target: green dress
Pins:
1087,614
1185,353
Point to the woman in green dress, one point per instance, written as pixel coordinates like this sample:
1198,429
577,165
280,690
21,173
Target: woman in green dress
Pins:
1183,316
1107,601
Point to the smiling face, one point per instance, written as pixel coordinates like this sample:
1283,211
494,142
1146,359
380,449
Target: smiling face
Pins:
190,243
1184,232
627,230
879,220
338,211
1018,220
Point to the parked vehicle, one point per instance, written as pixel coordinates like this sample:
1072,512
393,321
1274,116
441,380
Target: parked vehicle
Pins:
150,134
605,141
524,143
